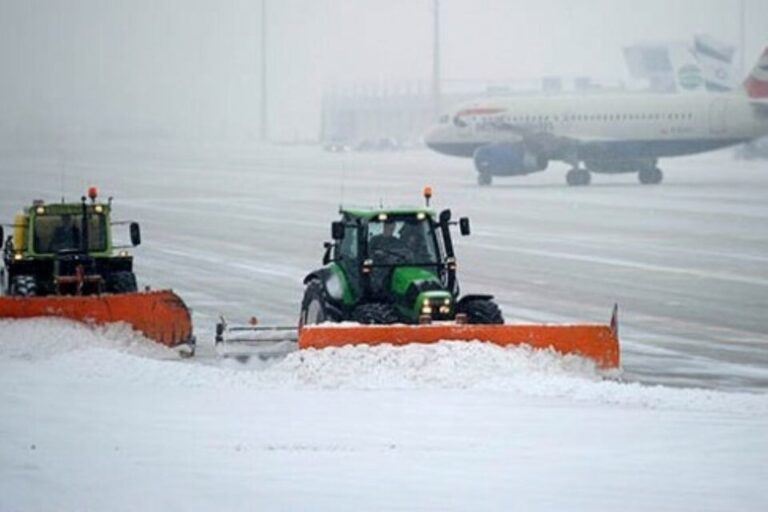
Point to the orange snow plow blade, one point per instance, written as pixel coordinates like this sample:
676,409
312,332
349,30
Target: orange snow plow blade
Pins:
159,315
599,343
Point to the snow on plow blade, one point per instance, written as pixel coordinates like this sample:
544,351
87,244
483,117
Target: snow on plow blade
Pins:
160,315
599,343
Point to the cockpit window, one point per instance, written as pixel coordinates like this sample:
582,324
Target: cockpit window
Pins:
459,122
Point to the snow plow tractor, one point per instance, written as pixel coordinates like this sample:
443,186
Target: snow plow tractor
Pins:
61,261
390,276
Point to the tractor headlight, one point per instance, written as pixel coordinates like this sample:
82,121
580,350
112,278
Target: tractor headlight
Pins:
421,215
98,208
426,310
444,310
40,210
17,256
123,254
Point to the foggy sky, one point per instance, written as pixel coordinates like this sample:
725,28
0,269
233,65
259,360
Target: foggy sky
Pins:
190,69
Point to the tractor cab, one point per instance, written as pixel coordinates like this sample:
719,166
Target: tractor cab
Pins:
64,230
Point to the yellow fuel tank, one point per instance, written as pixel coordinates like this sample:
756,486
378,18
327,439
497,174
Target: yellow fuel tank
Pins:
20,225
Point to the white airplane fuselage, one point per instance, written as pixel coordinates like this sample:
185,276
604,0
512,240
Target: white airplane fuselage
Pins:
606,127
515,136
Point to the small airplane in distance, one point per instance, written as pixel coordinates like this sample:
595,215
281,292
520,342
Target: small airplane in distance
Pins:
610,134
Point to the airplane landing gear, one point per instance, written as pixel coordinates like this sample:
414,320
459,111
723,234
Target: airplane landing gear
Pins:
650,176
578,177
484,179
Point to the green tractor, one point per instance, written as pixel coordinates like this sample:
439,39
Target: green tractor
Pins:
387,266
66,249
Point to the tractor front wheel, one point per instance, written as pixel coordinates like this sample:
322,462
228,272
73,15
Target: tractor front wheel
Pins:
314,306
24,286
376,313
481,311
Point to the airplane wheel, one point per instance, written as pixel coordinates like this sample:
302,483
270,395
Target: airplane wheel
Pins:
578,177
650,176
484,179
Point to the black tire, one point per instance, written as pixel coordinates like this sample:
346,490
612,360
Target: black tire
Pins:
650,176
24,286
314,305
481,311
578,177
122,282
377,313
484,178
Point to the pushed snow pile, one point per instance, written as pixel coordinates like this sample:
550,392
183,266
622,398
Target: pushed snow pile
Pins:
42,338
521,371
51,349
448,364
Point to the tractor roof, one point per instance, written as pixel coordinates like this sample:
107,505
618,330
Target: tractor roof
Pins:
64,208
370,213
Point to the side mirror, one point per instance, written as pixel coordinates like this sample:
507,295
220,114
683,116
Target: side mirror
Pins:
337,230
135,234
327,256
464,226
445,216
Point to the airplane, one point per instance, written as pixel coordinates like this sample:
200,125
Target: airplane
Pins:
514,136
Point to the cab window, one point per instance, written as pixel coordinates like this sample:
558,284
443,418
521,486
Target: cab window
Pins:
54,233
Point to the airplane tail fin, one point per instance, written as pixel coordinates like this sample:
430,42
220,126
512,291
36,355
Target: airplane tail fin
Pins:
756,84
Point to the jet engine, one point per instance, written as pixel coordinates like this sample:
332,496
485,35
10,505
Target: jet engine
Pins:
507,159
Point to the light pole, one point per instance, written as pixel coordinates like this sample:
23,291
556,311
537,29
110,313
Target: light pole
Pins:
436,100
264,131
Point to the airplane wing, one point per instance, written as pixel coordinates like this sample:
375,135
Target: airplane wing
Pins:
537,137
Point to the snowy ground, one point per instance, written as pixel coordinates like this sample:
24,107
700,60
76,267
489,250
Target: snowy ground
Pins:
98,421
104,421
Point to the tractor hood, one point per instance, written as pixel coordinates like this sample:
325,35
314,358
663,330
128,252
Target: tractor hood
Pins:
419,291
408,280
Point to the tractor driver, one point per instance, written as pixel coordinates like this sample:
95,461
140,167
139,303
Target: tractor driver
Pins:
66,235
386,245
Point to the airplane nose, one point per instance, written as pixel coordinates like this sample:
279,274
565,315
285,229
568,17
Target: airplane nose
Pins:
432,137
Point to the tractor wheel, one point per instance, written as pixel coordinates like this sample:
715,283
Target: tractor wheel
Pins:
481,311
24,286
122,282
375,313
314,306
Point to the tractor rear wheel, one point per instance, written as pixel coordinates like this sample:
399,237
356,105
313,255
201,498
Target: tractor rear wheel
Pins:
377,313
314,306
481,311
122,282
24,286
